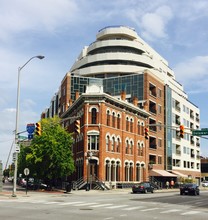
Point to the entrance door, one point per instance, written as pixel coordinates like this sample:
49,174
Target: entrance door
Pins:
93,170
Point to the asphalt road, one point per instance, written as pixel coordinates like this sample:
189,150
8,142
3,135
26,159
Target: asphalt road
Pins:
103,205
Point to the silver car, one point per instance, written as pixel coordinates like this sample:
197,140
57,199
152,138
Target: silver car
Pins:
204,183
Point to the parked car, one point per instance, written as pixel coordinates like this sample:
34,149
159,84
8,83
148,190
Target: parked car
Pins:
10,179
36,185
189,189
143,187
204,183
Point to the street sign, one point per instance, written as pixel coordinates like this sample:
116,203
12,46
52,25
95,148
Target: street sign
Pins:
17,148
14,156
30,128
22,137
30,136
200,132
26,171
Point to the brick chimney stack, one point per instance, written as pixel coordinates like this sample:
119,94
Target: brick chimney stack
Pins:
70,102
135,101
76,95
123,95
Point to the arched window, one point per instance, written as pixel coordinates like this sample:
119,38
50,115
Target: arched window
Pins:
140,149
113,144
114,120
138,128
131,147
118,122
131,125
127,147
127,124
108,118
118,145
94,116
107,143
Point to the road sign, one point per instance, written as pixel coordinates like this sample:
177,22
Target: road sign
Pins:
26,171
200,132
17,148
14,156
30,128
30,136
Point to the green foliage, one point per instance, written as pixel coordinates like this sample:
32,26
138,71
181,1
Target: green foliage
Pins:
6,172
49,156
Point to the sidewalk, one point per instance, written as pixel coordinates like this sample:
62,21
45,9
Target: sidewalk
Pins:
22,193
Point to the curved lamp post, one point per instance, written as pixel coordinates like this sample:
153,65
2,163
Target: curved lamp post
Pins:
17,122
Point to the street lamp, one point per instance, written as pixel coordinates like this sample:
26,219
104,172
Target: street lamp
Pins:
17,123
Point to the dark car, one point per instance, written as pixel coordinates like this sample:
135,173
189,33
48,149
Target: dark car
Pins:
189,189
143,187
36,185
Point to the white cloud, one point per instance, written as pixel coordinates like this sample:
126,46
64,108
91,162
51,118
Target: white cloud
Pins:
193,74
154,24
23,15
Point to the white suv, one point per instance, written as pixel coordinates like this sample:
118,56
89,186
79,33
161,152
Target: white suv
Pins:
204,183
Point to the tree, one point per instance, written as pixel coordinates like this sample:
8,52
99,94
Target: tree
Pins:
49,156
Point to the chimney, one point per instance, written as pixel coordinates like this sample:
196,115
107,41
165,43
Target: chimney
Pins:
146,106
76,95
123,95
135,101
70,102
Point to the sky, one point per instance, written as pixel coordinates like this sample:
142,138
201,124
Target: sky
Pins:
59,30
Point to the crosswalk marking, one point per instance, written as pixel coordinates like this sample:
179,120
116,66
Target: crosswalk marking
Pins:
49,203
69,203
133,208
116,206
100,205
190,213
38,201
85,204
150,209
171,210
124,207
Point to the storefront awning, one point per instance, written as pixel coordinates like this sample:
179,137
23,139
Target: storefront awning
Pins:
179,174
161,173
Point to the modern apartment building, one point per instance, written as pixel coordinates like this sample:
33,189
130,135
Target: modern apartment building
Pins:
120,62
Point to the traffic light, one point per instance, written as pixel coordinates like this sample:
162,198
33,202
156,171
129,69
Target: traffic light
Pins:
146,133
38,130
77,126
181,131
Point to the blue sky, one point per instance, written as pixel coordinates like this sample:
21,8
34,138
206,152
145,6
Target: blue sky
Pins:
59,29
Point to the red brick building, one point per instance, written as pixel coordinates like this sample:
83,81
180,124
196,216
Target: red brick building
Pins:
111,143
111,146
